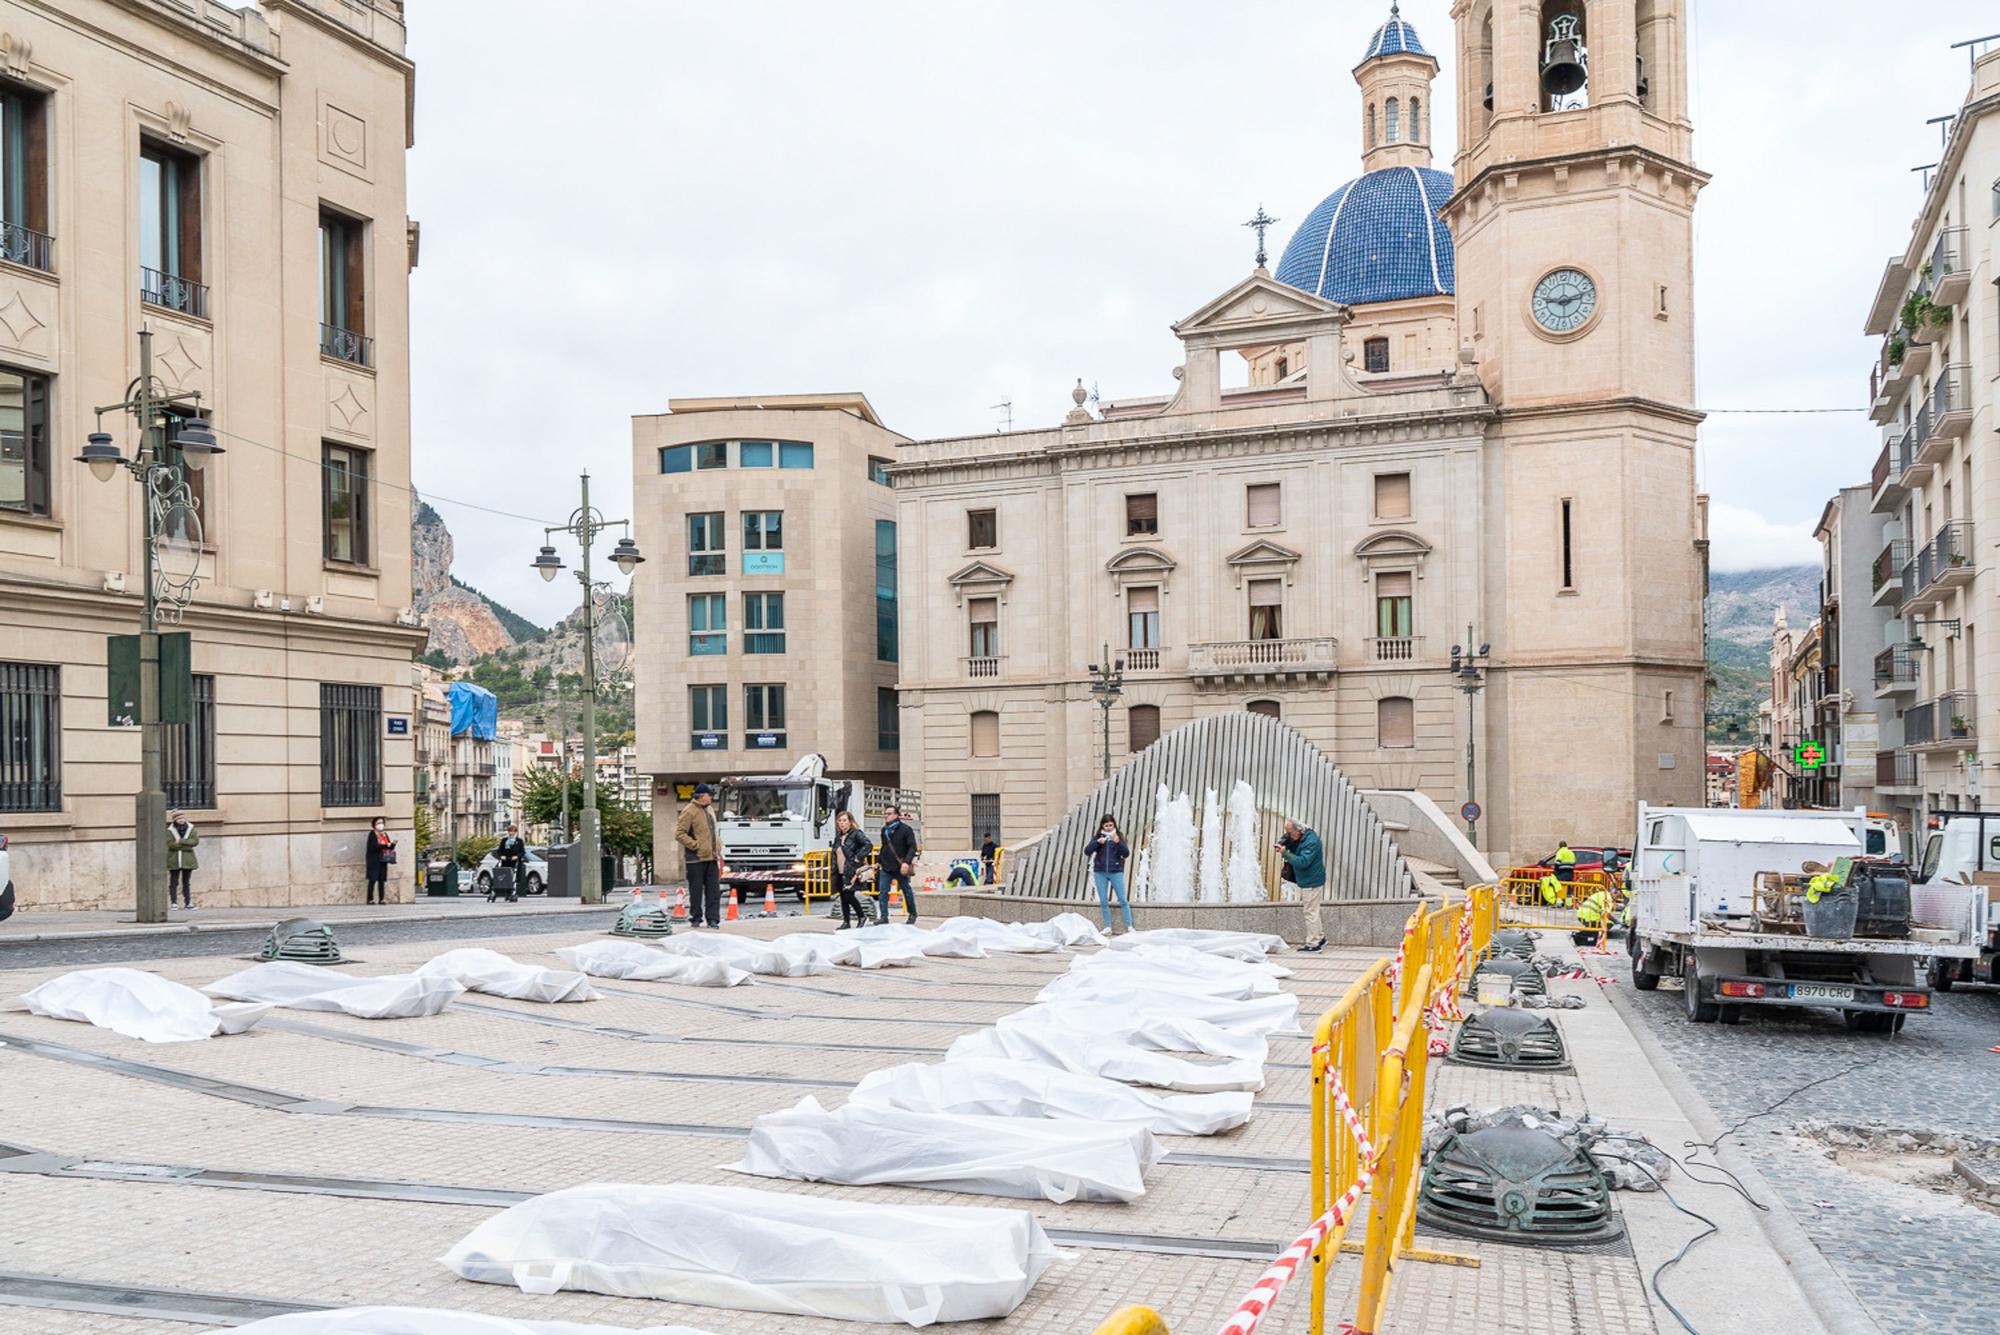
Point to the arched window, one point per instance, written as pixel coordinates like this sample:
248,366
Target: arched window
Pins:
985,733
1395,722
1268,708
1391,117
1142,726
1371,125
1416,120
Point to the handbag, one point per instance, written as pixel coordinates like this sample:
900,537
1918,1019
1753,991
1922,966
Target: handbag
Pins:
389,856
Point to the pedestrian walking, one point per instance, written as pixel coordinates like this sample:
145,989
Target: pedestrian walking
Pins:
1302,853
898,861
381,857
1108,853
853,851
181,860
695,833
509,856
988,853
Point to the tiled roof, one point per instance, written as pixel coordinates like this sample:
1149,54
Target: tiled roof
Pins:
1377,238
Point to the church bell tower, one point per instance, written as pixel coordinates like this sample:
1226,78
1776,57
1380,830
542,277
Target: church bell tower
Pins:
1573,217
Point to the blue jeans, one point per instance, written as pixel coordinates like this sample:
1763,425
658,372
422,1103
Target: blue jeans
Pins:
1106,882
884,878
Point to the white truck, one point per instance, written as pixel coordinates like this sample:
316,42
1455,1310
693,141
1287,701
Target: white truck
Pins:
1694,877
767,823
1965,850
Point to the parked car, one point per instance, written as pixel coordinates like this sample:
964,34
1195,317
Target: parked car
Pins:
534,872
6,882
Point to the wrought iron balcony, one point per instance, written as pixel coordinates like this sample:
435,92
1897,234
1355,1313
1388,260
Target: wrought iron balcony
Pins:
1947,722
344,345
476,769
1888,491
1895,769
1306,657
1395,648
174,293
1951,403
1927,446
25,246
1945,562
1895,670
1951,271
1886,576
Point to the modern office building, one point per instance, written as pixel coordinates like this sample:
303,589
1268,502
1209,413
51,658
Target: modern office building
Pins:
769,626
231,180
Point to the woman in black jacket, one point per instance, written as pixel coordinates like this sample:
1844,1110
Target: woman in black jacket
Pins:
853,853
381,856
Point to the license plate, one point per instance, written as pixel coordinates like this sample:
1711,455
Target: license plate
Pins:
1821,992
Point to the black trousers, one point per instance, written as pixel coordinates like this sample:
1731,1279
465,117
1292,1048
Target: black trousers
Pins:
378,888
853,908
179,877
705,893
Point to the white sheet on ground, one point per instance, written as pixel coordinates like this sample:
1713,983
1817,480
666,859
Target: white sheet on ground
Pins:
1066,929
1138,971
491,972
1230,945
851,948
136,1004
865,1144
1262,1015
1154,1031
1004,938
311,987
944,945
1112,1058
434,1321
999,1087
744,952
764,1251
629,959
1186,959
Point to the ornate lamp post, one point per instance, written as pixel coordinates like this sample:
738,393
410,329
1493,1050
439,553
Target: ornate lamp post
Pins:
171,517
1466,666
584,525
1107,683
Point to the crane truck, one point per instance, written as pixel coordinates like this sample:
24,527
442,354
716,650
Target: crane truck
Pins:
767,823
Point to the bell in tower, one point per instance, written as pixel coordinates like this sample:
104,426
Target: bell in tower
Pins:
1565,64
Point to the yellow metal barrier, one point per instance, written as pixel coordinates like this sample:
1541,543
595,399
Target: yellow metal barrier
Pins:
1522,905
1399,1150
1133,1321
1347,1045
819,875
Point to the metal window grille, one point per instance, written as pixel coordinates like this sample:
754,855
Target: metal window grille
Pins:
30,737
986,816
189,753
1375,354
350,745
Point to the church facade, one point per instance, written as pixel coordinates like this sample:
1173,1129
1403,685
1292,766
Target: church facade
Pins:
1468,429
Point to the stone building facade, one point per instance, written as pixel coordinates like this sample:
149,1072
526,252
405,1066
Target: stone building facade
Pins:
230,178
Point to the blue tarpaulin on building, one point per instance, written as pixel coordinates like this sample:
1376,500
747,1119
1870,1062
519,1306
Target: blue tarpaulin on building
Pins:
474,711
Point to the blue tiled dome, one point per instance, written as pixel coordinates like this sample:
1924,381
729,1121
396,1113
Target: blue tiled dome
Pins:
1377,238
1394,38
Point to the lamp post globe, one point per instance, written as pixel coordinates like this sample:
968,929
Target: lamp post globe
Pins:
101,455
626,555
196,441
548,563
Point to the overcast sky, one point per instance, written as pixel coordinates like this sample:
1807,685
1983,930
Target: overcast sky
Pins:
949,205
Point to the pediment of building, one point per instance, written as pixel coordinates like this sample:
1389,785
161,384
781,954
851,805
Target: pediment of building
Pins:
982,573
1262,305
1263,552
1393,542
1141,560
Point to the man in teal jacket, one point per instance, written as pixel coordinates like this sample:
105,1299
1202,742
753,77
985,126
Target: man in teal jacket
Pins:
1306,863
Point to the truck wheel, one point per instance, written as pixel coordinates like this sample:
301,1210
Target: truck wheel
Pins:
1729,1015
1942,974
1699,1011
1870,1022
1643,979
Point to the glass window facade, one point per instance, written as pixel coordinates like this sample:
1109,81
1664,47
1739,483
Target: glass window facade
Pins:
708,718
888,720
708,623
763,623
344,477
707,543
764,715
763,542
878,471
795,454
24,442
754,454
885,590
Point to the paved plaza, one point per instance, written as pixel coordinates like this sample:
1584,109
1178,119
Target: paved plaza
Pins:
321,1160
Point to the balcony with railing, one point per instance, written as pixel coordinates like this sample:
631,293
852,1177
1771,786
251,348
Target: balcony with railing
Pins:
1896,770
982,665
27,247
1305,658
1951,268
1142,660
1886,575
468,768
1946,723
1888,491
1895,670
344,345
1927,447
1942,564
1951,404
1395,648
171,292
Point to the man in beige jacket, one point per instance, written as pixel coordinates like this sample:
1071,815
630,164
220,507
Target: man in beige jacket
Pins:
701,851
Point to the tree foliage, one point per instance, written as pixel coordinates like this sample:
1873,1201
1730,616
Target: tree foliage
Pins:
473,847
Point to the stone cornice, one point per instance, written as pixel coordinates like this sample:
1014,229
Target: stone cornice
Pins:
1622,403
1529,166
25,594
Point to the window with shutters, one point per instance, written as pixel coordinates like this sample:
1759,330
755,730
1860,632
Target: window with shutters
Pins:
1392,604
1142,618
1267,599
1392,495
982,529
983,614
1262,505
1395,722
1142,724
1142,514
1375,354
985,733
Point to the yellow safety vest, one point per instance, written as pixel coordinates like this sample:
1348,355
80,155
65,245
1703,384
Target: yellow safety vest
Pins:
1823,884
1566,857
1552,890
1591,911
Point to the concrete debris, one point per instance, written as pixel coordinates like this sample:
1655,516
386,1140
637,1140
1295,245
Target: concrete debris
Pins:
1540,1001
1627,1159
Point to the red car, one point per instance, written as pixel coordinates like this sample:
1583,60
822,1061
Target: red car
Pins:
1612,861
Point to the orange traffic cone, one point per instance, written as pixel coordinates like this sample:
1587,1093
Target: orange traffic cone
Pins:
681,905
770,902
734,911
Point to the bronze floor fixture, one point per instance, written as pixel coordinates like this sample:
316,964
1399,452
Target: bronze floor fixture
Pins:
306,940
1507,1038
1523,977
647,920
1511,1184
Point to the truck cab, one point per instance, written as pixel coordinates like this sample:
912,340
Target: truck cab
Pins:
768,823
1963,848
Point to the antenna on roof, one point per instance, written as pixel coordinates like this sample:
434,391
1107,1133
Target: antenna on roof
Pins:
1926,169
1005,407
1972,45
1944,127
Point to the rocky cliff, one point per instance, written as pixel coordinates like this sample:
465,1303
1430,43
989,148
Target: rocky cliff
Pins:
464,623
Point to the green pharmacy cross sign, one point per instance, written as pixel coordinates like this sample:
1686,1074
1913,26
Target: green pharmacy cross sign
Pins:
1809,755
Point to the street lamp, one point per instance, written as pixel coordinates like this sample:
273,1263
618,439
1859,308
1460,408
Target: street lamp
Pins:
1107,683
584,525
167,505
1466,665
